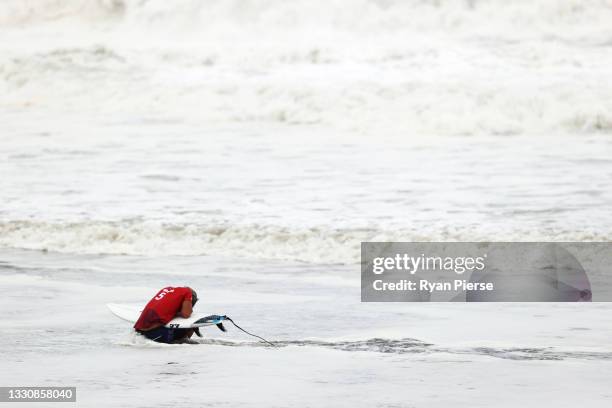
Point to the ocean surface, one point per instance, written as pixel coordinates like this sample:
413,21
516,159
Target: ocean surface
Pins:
246,148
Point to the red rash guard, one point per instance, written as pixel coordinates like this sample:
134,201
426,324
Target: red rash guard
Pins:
163,307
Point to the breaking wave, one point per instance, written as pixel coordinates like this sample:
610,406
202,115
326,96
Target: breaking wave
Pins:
355,15
426,67
313,245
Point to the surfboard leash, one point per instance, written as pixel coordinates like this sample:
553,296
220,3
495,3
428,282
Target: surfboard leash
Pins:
250,334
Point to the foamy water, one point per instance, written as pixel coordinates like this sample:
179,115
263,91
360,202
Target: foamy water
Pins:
411,68
259,195
297,131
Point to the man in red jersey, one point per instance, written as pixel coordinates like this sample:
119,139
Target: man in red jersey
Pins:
167,304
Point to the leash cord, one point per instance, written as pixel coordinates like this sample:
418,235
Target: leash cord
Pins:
250,334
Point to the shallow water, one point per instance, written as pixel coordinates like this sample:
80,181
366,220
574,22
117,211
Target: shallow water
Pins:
328,345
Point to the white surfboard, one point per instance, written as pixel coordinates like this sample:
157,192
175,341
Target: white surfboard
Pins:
131,313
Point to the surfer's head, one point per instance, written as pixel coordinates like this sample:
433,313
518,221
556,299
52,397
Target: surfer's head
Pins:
194,297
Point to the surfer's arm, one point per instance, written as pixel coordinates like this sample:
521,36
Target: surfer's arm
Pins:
186,309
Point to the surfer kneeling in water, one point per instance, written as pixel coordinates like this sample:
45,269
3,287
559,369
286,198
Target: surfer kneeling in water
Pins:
167,304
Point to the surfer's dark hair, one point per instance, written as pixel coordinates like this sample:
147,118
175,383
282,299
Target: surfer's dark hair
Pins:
194,297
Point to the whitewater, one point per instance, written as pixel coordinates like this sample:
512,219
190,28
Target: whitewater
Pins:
247,148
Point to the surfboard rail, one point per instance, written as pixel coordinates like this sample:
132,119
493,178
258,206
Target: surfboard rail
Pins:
131,313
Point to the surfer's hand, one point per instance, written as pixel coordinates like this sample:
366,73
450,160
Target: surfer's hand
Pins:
186,309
